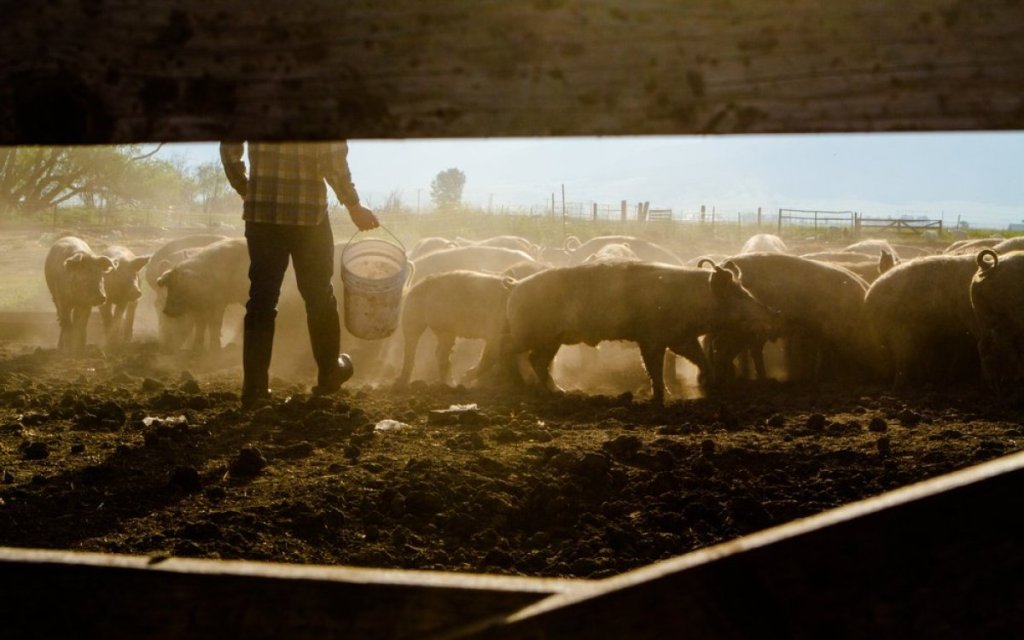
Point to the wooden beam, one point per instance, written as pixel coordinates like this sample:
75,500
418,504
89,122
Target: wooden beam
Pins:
100,71
941,558
50,594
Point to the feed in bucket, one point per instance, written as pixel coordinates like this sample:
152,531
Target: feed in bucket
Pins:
373,274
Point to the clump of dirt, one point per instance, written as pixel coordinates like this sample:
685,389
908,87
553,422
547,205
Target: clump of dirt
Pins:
117,453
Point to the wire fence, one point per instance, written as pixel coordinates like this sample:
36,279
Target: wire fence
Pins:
549,222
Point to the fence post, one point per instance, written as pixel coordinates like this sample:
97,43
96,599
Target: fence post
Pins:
815,223
759,218
593,213
624,212
702,214
779,232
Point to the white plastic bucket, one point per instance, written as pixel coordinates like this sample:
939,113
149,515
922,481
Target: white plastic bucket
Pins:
373,274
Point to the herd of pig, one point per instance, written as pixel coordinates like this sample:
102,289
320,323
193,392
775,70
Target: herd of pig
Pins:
871,311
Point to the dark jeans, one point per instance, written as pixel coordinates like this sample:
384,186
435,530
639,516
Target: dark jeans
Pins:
311,250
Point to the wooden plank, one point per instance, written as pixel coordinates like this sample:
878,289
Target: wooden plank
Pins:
49,594
939,559
96,71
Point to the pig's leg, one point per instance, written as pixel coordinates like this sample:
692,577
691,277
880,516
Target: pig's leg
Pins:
81,322
64,322
443,353
902,349
109,324
672,382
756,348
490,356
129,321
654,360
216,321
540,360
411,334
692,351
199,324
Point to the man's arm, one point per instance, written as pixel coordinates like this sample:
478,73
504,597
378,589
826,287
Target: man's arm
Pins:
334,165
234,166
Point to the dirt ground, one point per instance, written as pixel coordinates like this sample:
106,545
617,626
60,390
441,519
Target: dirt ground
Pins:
136,453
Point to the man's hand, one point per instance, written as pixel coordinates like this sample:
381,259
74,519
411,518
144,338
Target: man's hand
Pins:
363,218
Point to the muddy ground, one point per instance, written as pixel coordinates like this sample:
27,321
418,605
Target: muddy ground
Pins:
134,453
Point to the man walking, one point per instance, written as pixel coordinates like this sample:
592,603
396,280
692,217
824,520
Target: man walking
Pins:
285,215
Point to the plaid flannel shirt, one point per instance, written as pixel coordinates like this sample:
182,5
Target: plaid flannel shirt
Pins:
285,182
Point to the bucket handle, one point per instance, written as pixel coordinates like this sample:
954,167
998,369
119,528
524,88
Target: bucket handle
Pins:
358,231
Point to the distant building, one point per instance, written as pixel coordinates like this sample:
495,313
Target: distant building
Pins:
1016,226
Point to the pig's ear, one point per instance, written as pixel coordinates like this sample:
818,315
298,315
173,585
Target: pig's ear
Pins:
105,264
733,267
75,261
164,277
885,262
138,262
723,282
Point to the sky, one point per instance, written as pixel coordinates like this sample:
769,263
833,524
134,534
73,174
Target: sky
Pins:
977,176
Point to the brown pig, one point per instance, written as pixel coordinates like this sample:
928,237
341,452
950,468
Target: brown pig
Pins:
657,306
919,319
174,331
997,296
204,284
455,304
123,293
819,308
74,276
474,258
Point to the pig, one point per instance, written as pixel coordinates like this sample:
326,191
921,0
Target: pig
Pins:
455,304
616,251
868,269
919,319
123,293
841,257
962,247
172,331
644,249
74,276
818,306
490,259
429,245
204,284
516,243
764,243
997,297
657,306
909,251
1010,244
874,247
520,270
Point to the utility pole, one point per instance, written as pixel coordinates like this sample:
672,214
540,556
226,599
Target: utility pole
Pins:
563,210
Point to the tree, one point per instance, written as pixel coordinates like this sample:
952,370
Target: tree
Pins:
210,184
446,188
35,179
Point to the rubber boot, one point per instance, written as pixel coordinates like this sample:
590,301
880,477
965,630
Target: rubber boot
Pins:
257,345
333,368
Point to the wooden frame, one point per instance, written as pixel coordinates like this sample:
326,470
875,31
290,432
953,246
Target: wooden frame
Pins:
100,71
938,559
